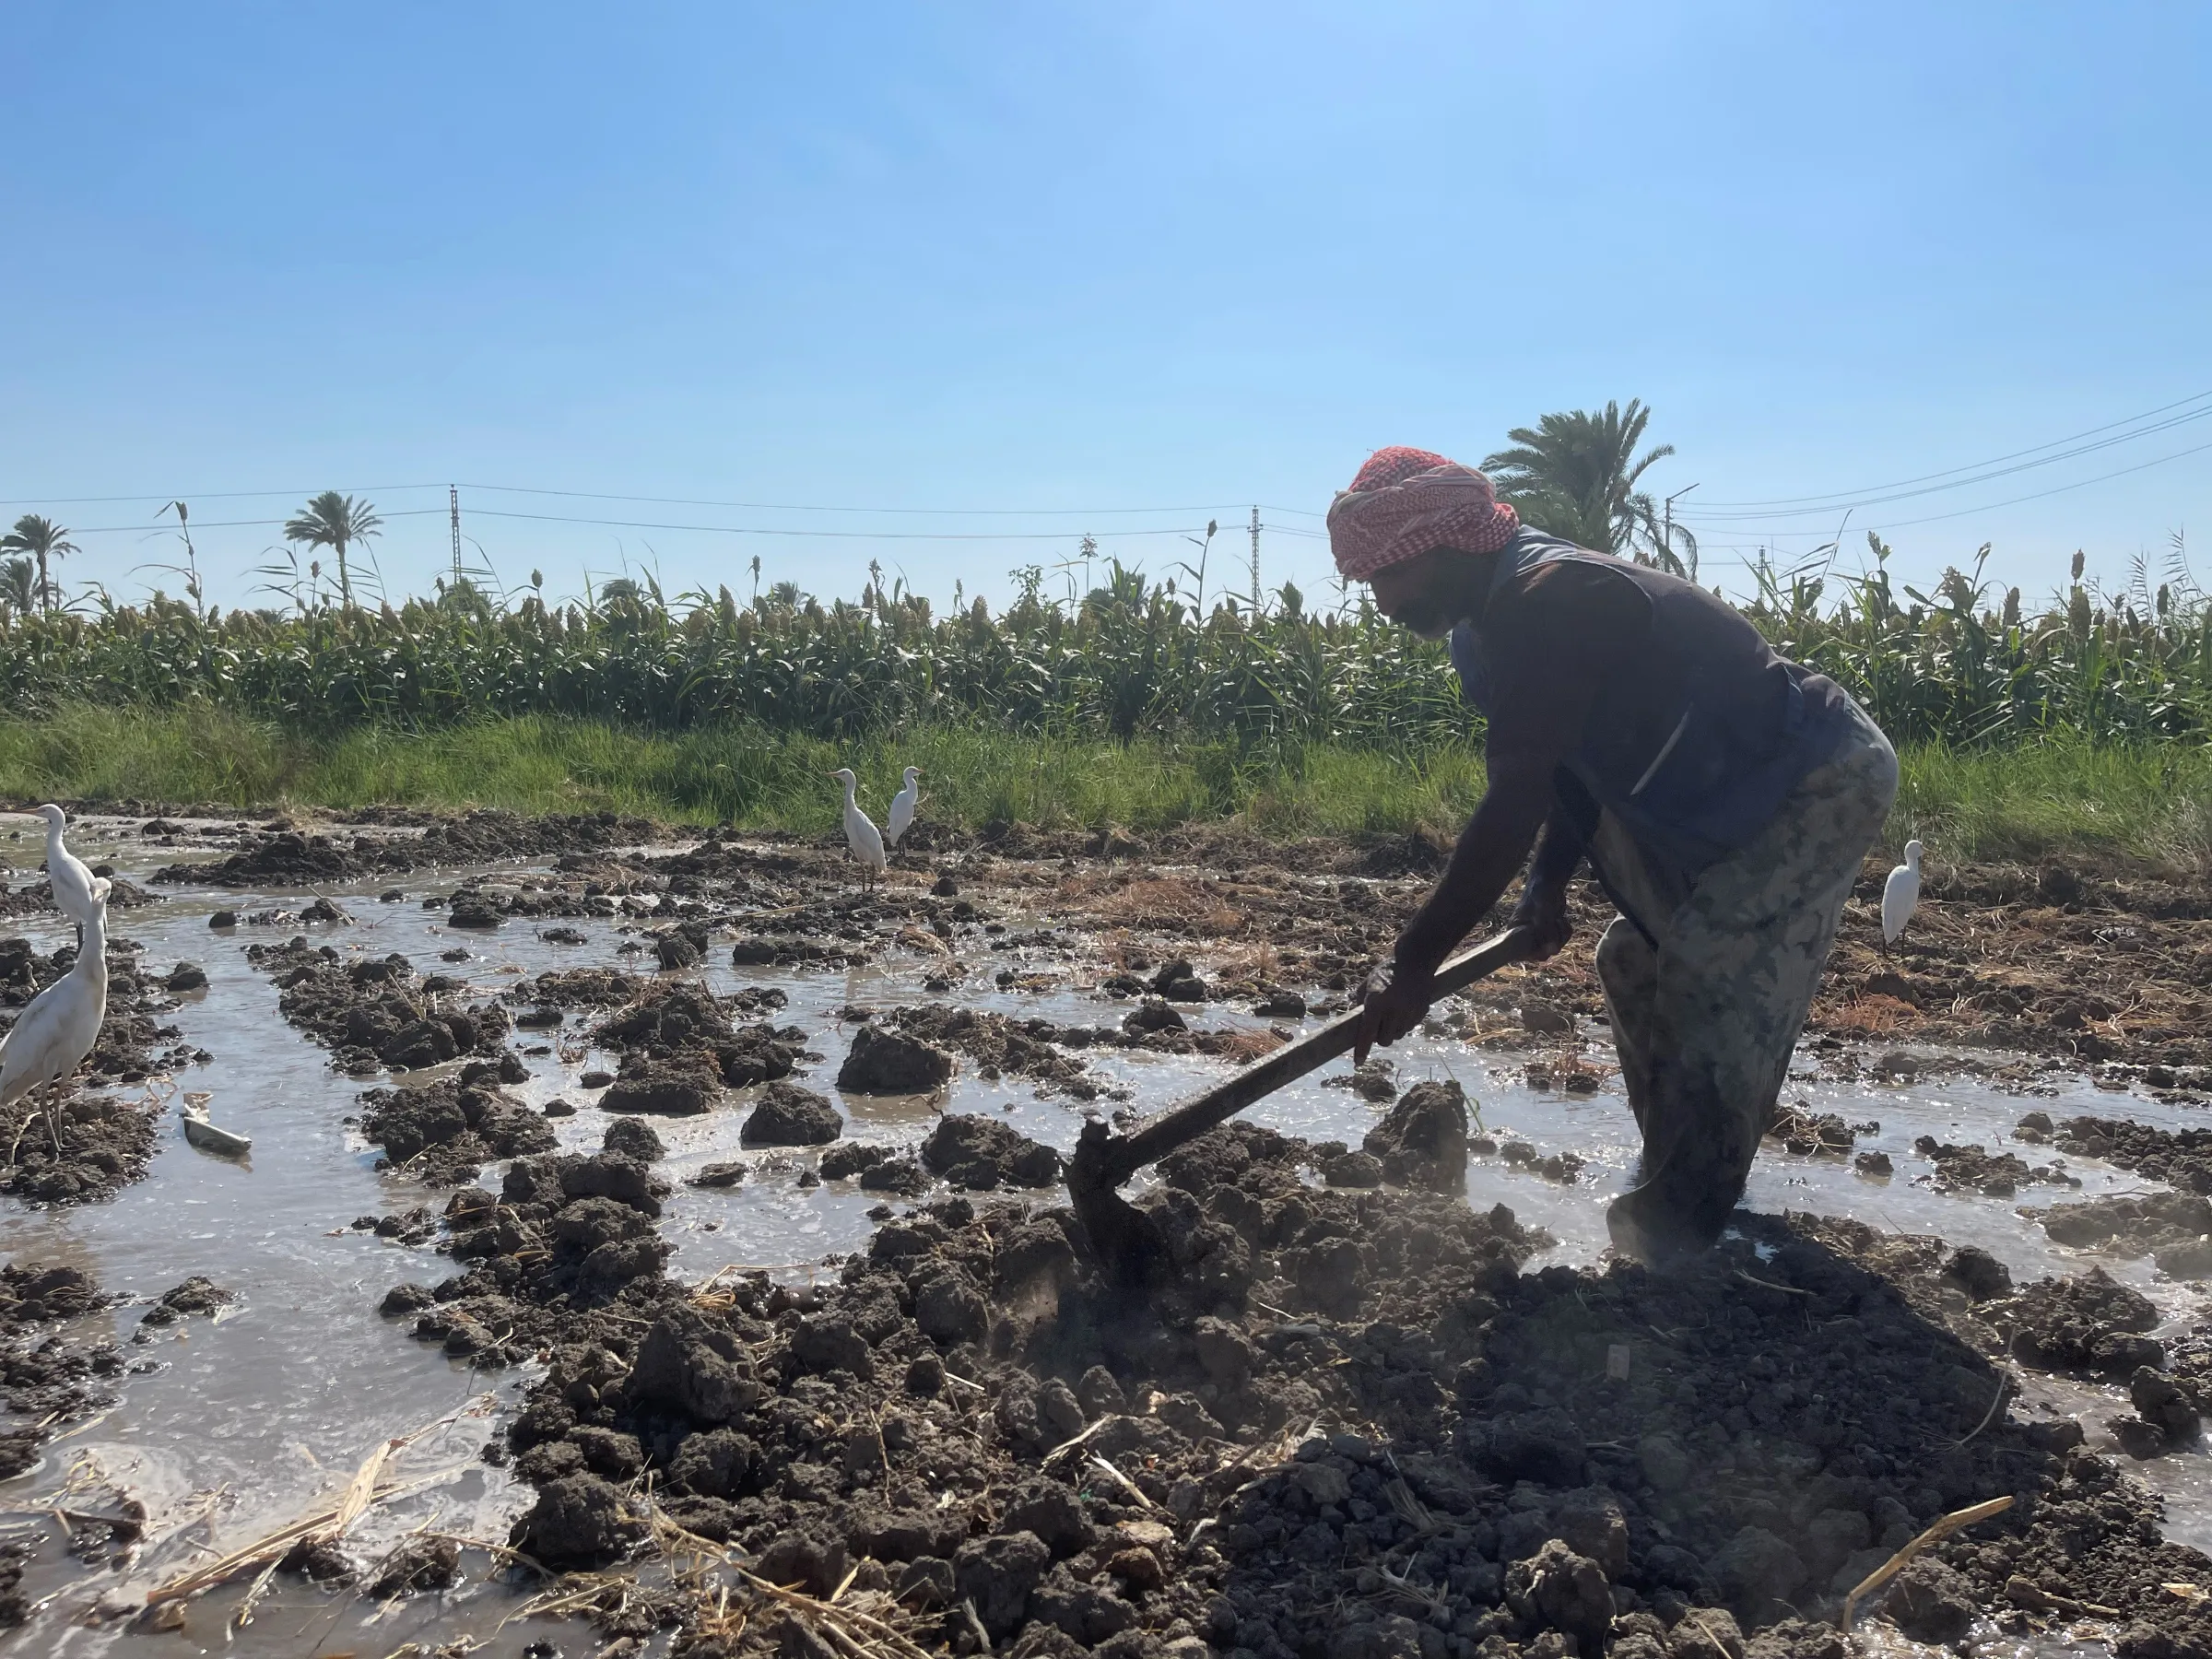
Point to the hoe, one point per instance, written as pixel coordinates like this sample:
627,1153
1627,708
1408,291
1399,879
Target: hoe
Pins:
1128,1242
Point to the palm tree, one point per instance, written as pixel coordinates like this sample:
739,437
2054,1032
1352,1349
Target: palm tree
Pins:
42,539
1575,474
19,585
336,522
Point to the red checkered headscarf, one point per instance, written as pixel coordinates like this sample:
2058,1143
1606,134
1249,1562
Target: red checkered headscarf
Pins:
1406,502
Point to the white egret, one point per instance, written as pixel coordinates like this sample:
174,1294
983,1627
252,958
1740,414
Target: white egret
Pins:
1901,893
861,834
70,876
50,1038
903,804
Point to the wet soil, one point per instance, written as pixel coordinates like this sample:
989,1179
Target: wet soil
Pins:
95,1139
374,1013
1351,1423
1348,1423
2110,968
282,853
2182,1158
48,1376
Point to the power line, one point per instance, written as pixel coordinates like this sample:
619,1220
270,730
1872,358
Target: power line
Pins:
555,518
1936,518
586,494
1836,499
230,523
828,535
1981,478
204,495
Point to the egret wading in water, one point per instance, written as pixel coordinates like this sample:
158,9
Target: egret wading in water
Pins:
1901,893
903,804
59,1027
861,835
69,875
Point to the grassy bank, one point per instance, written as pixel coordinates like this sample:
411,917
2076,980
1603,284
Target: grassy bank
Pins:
757,779
2066,798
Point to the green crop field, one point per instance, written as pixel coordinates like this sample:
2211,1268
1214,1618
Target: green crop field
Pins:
2077,725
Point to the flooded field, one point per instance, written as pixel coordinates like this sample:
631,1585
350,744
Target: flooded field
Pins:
226,1425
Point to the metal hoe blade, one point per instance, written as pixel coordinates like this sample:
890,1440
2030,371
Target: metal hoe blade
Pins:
1128,1244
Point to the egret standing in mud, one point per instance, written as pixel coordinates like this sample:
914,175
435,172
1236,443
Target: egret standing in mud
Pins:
54,1034
69,875
1900,895
861,834
903,804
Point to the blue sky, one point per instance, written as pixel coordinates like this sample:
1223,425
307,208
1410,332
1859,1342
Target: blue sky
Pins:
1054,262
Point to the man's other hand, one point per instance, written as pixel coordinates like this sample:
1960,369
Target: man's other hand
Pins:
1391,1004
1542,914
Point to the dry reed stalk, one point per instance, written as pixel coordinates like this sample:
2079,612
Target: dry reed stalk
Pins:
874,1628
366,1488
1941,1529
1122,1482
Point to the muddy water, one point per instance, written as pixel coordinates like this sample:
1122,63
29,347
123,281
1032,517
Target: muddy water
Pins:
255,1417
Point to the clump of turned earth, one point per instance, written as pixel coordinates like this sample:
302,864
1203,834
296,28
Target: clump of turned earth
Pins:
378,1013
48,1379
1373,1403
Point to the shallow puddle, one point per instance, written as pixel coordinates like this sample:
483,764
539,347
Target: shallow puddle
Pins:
254,1417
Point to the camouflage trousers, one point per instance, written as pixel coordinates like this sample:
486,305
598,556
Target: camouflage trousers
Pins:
1706,1011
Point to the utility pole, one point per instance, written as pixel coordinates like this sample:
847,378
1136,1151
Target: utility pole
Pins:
1667,535
453,501
1256,562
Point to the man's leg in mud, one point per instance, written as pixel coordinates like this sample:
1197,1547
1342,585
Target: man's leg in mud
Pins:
1628,961
1629,970
1737,973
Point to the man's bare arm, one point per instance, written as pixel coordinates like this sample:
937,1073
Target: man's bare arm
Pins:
1543,907
1489,854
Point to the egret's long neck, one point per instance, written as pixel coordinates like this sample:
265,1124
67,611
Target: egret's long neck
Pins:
851,784
92,955
1913,858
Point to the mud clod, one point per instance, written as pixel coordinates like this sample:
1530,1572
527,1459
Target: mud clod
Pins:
578,1520
1978,1273
672,1088
2089,1323
2182,1158
995,1576
789,1115
444,1132
1931,1602
1153,1015
891,1063
418,1564
195,1295
849,1159
980,1154
633,1140
1423,1141
2169,1226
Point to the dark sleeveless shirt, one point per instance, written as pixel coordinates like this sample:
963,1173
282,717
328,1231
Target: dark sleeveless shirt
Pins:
1701,729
